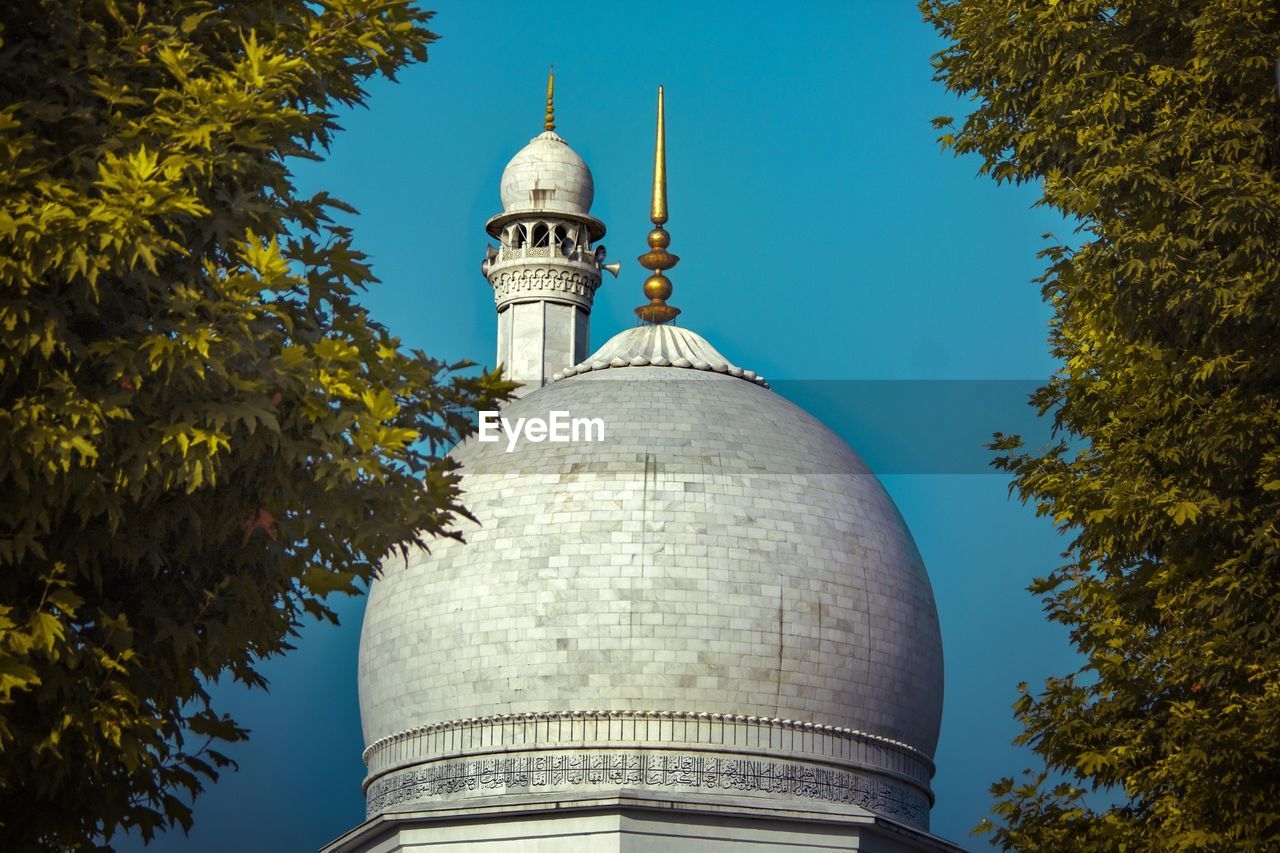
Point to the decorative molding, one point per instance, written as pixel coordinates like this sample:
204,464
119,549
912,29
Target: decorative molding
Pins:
524,281
659,346
710,774
738,733
641,361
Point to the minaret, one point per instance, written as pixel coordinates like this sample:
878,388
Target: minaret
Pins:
544,270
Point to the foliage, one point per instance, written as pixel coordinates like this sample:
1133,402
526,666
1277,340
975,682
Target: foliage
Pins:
202,435
1156,125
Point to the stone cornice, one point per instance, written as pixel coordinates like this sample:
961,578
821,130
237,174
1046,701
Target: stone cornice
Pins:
523,281
658,729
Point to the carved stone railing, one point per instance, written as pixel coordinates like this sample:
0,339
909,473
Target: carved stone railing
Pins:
509,254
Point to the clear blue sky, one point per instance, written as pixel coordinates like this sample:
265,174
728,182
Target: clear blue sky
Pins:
823,236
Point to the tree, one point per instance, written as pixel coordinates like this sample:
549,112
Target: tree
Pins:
202,434
1155,125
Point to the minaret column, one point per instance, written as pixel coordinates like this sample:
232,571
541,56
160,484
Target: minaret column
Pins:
543,297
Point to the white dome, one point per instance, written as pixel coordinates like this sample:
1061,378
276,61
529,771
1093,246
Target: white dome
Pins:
547,176
721,559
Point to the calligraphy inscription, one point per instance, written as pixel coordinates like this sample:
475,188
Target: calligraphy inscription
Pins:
525,773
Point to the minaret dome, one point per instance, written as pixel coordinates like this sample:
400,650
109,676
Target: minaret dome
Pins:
547,176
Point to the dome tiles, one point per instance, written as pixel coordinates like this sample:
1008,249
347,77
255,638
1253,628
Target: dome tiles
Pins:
721,557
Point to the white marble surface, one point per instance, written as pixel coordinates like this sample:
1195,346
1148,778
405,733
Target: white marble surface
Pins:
721,552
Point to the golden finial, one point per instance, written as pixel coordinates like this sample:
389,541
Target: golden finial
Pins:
657,286
550,123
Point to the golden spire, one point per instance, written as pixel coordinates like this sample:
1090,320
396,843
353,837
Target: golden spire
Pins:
658,209
657,286
550,123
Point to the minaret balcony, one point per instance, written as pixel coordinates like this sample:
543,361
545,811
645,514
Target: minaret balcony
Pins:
580,260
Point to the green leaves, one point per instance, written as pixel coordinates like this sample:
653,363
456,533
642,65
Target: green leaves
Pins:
202,435
1154,126
1184,512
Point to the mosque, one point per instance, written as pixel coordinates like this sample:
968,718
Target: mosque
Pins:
709,631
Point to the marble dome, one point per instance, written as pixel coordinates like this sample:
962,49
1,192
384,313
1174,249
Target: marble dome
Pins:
720,561
547,176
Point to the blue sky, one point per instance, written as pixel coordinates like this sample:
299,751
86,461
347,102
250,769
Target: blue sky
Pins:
823,235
